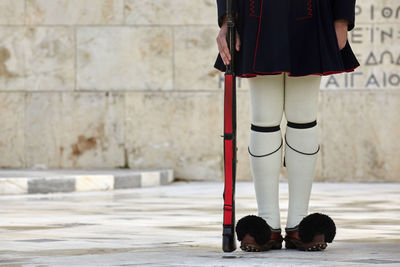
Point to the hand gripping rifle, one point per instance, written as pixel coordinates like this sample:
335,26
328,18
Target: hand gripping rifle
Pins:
228,234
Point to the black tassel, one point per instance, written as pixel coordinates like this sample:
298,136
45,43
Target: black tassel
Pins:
315,224
255,226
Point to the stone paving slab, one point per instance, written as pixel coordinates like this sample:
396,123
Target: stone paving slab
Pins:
34,181
181,225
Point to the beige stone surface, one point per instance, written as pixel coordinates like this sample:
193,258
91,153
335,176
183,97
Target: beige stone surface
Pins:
94,182
12,12
37,58
178,130
124,58
381,11
73,12
10,186
12,142
50,58
165,12
67,130
12,58
150,179
195,51
359,137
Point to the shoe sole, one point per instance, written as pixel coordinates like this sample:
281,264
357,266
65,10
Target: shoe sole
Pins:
251,248
317,246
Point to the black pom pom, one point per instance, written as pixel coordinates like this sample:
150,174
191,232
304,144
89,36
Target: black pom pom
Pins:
255,226
315,224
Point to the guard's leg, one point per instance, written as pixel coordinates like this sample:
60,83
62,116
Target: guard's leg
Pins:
265,145
301,138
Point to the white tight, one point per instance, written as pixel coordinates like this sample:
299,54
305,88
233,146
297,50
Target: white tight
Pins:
298,97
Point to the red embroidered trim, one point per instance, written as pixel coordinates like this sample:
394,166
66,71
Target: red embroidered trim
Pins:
309,8
252,8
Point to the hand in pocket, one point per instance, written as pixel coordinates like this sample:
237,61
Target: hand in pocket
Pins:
341,32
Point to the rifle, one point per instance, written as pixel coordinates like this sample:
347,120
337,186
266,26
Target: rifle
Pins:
230,149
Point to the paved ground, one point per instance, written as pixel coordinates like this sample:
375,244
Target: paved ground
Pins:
180,225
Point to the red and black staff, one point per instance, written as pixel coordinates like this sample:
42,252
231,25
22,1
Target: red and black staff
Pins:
228,234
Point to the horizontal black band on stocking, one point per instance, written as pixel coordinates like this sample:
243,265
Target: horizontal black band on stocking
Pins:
301,125
265,129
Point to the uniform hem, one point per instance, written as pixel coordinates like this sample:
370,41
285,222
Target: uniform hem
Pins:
258,73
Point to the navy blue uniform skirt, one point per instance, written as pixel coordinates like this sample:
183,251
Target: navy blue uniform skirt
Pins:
293,36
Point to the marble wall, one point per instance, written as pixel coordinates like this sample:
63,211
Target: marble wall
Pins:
129,83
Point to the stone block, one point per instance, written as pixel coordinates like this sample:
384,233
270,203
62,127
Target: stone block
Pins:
12,130
65,130
123,58
50,59
373,11
74,12
94,182
37,58
198,73
12,12
11,185
127,181
12,58
359,136
167,177
165,12
175,130
51,185
195,51
149,179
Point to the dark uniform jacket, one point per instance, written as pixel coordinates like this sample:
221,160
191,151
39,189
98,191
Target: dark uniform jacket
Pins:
293,36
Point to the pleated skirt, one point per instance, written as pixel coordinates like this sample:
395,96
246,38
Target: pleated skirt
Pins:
293,36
